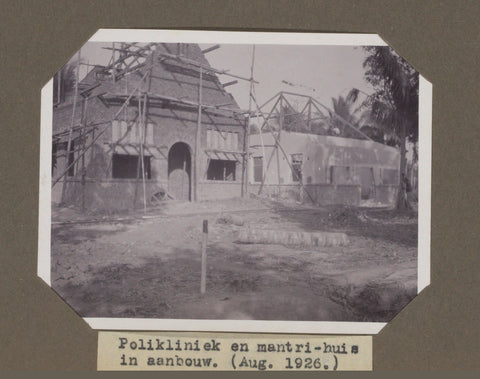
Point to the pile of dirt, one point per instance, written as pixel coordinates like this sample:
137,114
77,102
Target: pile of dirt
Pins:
290,238
230,219
381,301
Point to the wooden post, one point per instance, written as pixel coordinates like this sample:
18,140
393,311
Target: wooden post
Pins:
142,153
109,124
277,142
83,139
70,134
198,138
203,278
263,149
278,145
309,121
247,131
113,61
139,159
245,160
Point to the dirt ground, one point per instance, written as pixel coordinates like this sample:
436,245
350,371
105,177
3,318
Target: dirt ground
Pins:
132,266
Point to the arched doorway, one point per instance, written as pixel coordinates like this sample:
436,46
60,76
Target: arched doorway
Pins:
179,171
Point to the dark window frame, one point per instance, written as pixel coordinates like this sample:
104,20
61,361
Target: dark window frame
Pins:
257,169
125,166
222,170
297,167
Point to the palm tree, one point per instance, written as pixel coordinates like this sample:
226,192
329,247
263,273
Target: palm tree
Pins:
344,115
394,105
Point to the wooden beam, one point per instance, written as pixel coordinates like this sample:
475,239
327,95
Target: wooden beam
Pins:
198,136
154,96
285,155
69,143
211,48
204,67
143,136
229,83
343,120
100,133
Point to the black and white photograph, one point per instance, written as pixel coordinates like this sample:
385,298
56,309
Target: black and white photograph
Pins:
240,181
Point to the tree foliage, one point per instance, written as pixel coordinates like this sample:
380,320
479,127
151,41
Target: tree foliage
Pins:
293,120
394,105
345,116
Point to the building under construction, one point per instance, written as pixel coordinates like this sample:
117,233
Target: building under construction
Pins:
317,167
156,124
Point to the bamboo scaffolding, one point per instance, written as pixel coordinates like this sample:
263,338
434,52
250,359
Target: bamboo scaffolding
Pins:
330,112
142,127
343,120
277,141
69,143
76,160
83,132
109,123
263,149
155,96
198,137
60,134
246,148
125,61
204,67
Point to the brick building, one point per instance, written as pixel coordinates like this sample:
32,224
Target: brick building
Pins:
147,105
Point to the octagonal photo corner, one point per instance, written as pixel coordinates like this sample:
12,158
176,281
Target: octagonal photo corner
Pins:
236,181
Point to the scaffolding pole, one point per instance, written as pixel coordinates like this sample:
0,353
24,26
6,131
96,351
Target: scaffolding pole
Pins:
198,136
109,123
142,126
246,148
69,143
221,107
83,138
206,68
343,120
263,149
120,66
284,153
316,102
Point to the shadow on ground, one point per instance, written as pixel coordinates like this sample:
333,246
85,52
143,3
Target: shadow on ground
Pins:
242,285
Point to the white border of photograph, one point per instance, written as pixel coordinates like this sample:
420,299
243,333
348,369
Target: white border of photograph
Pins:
191,36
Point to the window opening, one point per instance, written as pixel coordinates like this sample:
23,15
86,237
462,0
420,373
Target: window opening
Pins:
129,166
221,170
297,161
257,169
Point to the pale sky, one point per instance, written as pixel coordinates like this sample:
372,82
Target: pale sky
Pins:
321,71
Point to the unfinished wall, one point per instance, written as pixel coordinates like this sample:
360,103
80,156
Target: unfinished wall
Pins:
172,117
170,126
322,194
211,190
386,194
109,195
331,165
